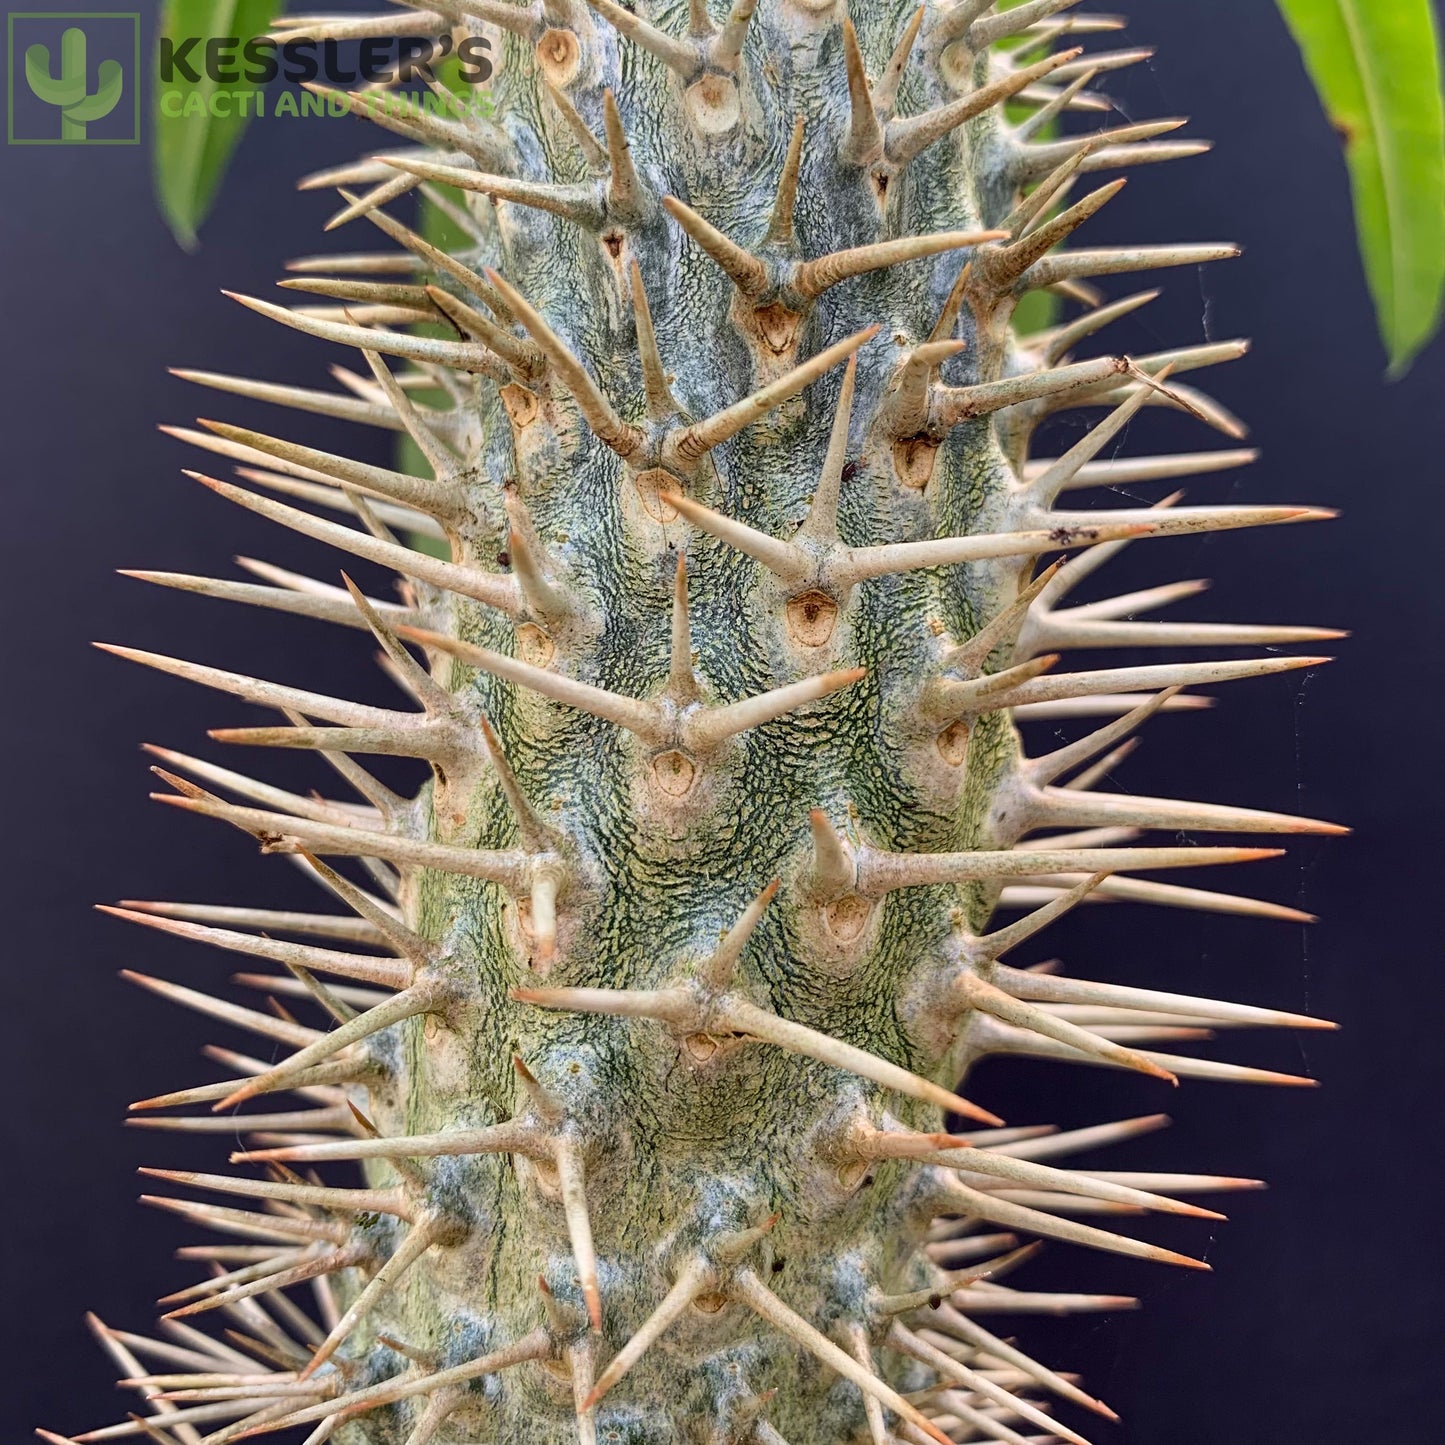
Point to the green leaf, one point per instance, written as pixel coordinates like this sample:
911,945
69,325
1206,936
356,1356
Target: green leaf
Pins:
192,150
1376,65
1036,310
434,225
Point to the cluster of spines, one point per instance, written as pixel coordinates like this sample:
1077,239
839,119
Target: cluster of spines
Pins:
972,1383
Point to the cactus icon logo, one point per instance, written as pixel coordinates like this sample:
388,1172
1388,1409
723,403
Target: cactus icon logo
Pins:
74,78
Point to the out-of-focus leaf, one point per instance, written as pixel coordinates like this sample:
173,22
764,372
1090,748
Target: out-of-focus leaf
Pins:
434,225
1376,65
1036,310
191,151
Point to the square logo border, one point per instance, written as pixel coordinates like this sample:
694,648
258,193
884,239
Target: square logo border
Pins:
134,16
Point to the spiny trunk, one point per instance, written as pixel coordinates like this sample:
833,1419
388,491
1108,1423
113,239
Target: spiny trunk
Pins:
649,1026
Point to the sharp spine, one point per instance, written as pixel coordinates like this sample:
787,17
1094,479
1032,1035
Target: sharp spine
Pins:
463,356
390,973
492,590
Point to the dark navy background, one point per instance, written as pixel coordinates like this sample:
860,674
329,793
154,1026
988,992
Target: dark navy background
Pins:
1322,1323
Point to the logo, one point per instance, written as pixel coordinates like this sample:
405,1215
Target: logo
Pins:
73,78
258,60
225,76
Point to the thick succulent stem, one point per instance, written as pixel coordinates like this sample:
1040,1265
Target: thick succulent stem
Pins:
680,955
